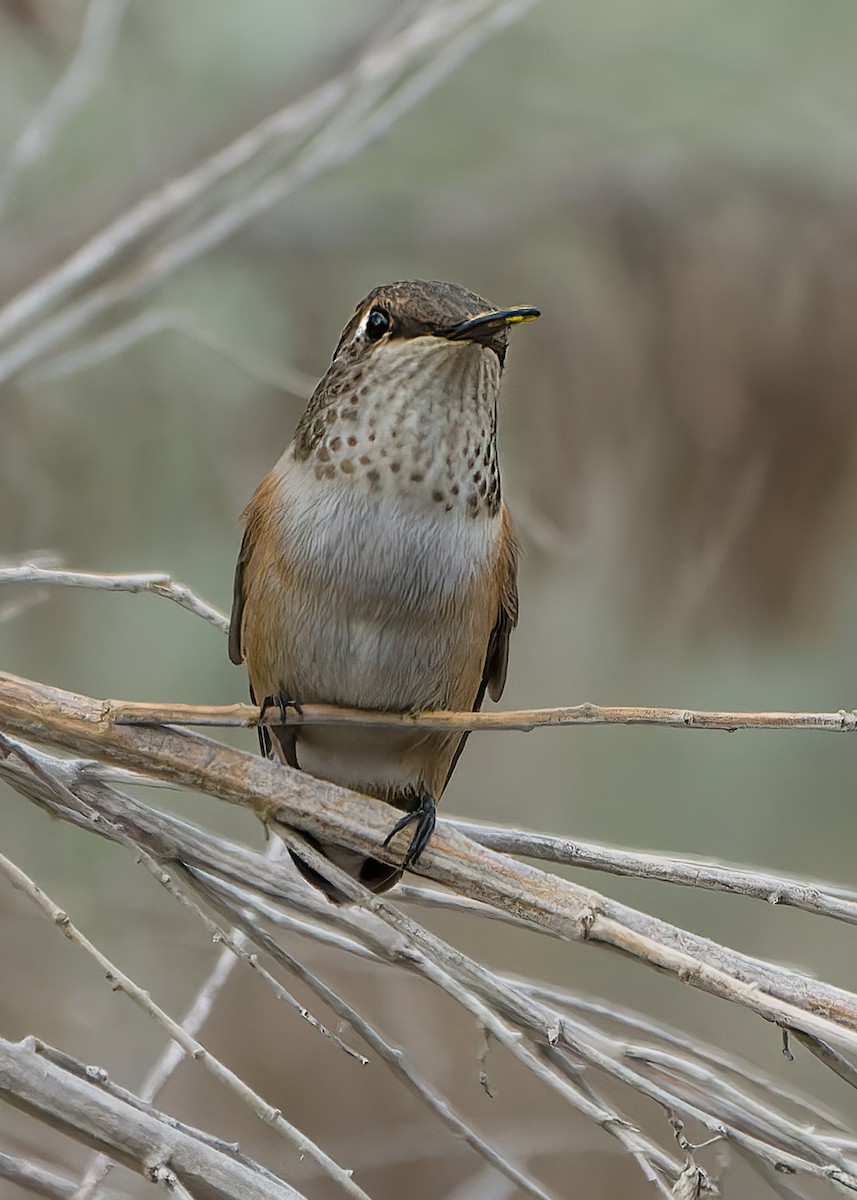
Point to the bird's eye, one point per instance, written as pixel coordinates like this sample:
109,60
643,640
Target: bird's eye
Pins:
377,324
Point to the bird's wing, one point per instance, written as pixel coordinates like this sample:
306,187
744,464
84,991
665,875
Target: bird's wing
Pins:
497,657
274,741
238,595
256,556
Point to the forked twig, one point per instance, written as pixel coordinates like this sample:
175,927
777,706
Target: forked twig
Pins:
118,980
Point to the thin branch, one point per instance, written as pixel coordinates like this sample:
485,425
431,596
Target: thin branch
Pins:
631,1024
33,1178
810,895
236,945
523,720
118,980
83,1103
497,1006
607,1054
174,1054
338,120
165,320
156,583
83,74
394,1058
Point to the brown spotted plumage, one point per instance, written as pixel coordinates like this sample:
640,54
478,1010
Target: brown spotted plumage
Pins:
378,563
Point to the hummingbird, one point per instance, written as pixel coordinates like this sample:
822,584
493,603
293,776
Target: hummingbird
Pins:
378,565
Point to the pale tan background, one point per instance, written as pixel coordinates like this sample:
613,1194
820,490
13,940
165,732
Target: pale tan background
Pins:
674,184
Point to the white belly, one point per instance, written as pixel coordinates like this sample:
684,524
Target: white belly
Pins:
385,593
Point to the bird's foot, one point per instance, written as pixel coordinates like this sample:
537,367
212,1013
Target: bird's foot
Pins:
283,704
424,814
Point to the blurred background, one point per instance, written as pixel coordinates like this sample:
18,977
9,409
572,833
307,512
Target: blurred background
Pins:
675,185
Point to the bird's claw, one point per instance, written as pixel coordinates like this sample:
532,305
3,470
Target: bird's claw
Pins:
425,817
283,704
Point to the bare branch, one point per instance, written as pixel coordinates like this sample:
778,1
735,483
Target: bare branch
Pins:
810,895
631,1024
156,583
119,981
165,320
522,721
329,813
84,1104
235,951
394,1058
757,1131
32,1178
83,74
500,1010
320,131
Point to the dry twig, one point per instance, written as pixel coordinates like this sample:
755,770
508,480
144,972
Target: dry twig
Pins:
82,1099
157,583
670,1080
118,980
35,142
522,721
262,167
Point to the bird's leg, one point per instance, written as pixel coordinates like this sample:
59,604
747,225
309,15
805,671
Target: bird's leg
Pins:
281,702
424,814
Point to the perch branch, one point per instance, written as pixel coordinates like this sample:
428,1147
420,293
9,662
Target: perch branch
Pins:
524,720
333,814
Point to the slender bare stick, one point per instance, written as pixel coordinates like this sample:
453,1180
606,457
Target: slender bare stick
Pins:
163,320
495,1005
119,981
97,39
84,1103
391,1055
32,1178
339,118
810,895
523,720
196,1016
156,583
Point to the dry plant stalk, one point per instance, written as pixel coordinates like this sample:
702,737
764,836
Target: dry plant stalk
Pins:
555,1041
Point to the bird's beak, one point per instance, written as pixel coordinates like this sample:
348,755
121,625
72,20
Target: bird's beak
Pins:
479,328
